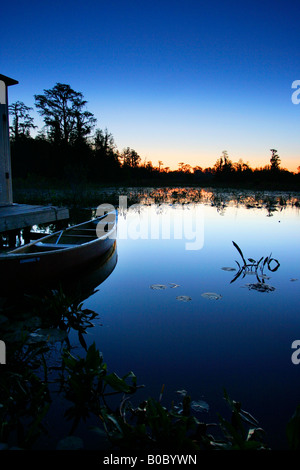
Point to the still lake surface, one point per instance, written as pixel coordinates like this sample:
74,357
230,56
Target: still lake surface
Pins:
155,321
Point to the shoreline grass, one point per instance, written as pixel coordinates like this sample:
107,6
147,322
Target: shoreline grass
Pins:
83,196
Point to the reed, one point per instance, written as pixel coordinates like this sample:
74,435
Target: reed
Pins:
255,266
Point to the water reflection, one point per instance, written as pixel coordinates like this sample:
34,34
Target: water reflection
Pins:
77,283
38,327
224,335
196,328
220,199
92,276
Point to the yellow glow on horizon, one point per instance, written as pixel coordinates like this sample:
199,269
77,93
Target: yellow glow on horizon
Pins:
171,160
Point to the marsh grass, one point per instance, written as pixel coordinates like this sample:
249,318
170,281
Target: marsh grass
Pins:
90,196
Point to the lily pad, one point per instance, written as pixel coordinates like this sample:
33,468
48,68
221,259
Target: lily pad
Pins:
228,269
260,287
182,392
184,298
200,405
173,285
293,279
211,296
158,286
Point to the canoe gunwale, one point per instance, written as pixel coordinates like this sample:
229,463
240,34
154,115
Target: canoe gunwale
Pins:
21,252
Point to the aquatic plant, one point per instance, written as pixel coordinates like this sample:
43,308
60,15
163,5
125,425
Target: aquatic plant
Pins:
24,393
32,326
65,311
94,392
257,267
152,426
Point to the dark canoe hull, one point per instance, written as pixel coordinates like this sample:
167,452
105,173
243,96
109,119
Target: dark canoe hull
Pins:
22,268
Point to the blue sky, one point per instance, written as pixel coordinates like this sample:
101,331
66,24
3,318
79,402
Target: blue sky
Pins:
176,81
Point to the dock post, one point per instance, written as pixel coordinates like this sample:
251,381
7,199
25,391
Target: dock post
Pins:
6,197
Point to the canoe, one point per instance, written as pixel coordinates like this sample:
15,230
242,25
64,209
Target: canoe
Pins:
59,253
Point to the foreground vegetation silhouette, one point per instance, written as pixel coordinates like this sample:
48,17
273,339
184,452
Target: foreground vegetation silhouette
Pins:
28,390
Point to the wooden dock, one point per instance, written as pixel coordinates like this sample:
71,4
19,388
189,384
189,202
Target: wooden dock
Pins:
21,216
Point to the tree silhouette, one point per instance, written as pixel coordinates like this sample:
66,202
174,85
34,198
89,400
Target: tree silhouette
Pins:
105,161
22,122
275,160
65,117
130,157
223,164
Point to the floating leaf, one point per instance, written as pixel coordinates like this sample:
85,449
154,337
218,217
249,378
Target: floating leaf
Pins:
211,296
184,298
293,279
200,405
181,392
228,269
158,286
173,285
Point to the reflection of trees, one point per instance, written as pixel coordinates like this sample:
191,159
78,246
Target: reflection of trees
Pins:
216,198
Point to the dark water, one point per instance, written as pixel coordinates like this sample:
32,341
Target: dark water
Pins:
240,341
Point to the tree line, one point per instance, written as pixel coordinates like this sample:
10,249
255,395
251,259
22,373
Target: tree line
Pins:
70,147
